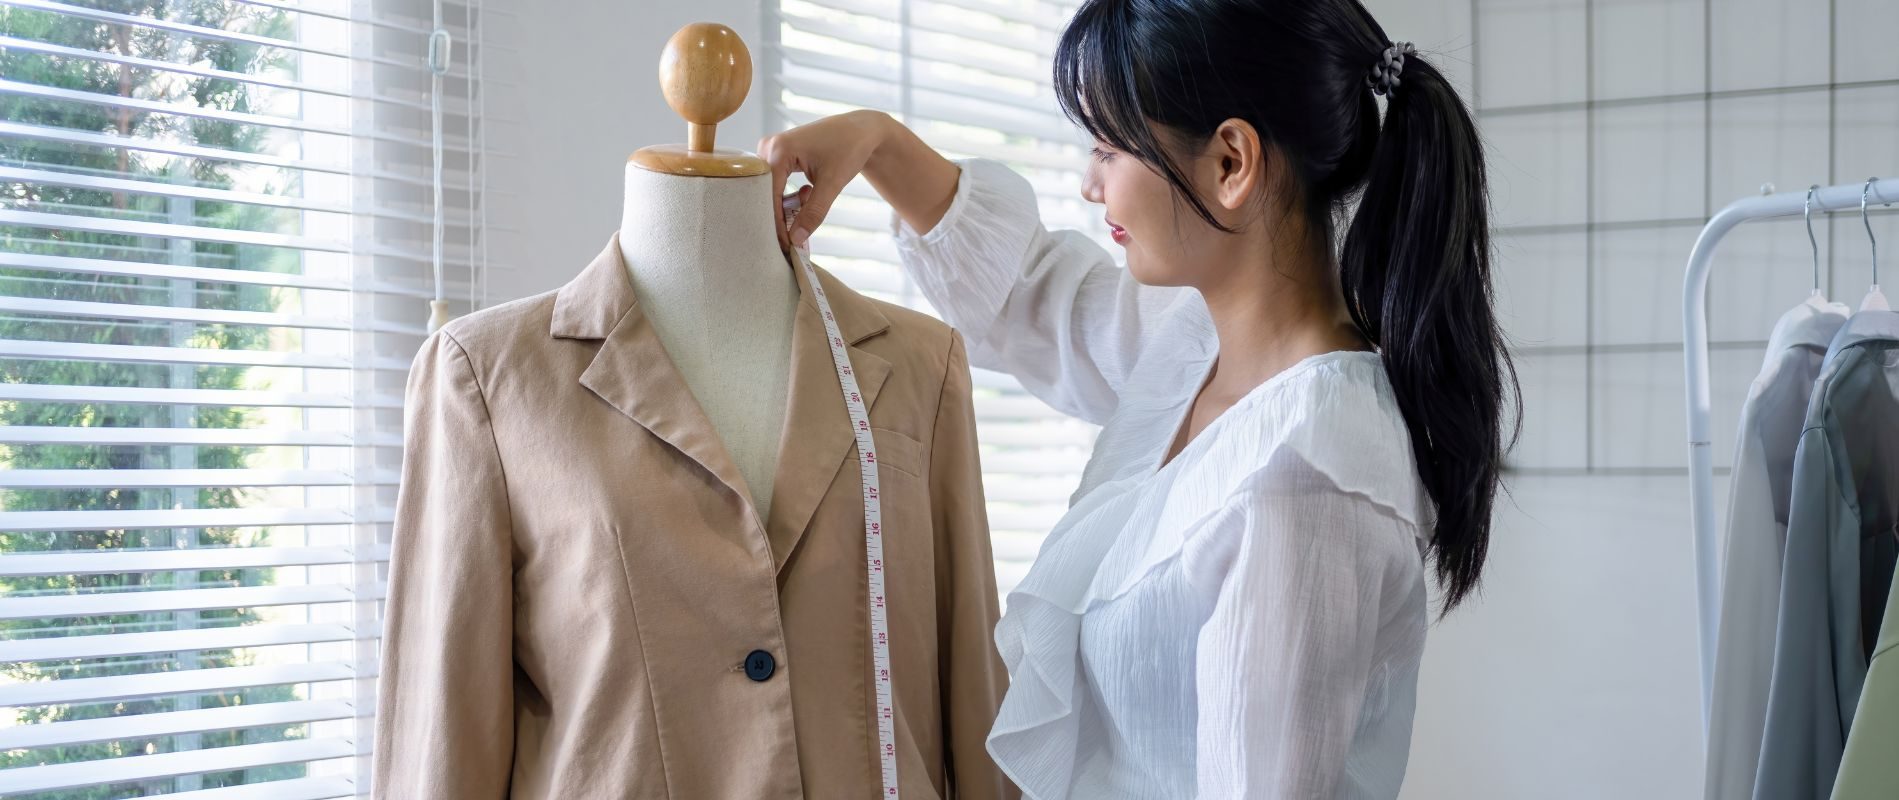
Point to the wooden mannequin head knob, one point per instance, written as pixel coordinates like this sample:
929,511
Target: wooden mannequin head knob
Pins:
705,73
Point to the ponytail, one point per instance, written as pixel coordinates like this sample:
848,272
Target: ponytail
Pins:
1415,269
1414,263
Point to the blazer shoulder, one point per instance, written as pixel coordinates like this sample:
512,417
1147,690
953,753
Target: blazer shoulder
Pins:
506,331
917,336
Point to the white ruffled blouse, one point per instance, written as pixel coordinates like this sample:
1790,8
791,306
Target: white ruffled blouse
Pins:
1243,622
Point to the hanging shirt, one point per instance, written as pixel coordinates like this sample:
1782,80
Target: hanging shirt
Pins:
1868,770
1758,497
1839,558
1243,622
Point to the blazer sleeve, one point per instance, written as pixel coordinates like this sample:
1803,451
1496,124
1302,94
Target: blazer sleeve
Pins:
445,699
973,678
1802,739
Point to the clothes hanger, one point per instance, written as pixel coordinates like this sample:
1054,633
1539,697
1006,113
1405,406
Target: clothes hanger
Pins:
1816,299
1875,299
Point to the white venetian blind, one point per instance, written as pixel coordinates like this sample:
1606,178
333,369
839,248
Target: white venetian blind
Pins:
216,222
972,77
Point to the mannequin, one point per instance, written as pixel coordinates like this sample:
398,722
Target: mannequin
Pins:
584,598
705,264
697,238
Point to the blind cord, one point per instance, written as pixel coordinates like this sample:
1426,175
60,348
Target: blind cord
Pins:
439,45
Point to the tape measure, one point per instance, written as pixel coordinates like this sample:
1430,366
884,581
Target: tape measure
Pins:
873,526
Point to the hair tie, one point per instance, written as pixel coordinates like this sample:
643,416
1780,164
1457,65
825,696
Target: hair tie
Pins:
1384,77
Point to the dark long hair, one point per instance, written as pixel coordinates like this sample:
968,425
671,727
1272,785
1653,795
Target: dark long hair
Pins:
1149,77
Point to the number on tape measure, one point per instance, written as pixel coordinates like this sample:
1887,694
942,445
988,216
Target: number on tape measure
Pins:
873,532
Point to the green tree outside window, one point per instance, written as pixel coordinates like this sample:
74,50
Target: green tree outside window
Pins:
105,78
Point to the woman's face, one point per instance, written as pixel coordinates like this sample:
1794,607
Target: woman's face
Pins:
1167,243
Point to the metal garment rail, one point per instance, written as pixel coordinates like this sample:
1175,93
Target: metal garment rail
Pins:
1694,322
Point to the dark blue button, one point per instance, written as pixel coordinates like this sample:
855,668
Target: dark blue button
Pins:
760,665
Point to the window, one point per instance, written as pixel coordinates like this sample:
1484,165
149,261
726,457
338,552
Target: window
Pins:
972,78
215,262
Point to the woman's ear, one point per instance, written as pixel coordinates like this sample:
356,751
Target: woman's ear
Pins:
1238,161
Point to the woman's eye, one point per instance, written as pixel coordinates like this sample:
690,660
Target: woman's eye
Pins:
1100,154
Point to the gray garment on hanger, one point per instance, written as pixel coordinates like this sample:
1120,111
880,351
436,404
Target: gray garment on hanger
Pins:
1758,498
1839,559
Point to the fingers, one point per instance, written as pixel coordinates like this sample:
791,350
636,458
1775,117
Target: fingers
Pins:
829,153
814,204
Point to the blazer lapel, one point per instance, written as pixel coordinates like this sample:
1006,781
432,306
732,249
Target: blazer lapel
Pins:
817,439
632,372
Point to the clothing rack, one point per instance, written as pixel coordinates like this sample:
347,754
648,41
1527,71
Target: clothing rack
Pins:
1695,346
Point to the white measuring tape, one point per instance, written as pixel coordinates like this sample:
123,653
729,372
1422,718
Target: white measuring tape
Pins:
873,530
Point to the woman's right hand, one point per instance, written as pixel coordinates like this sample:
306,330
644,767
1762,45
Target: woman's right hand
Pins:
830,152
917,181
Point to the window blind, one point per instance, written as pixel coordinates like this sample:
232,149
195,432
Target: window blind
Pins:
972,77
216,222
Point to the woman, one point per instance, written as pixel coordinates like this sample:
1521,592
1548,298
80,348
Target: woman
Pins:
1234,605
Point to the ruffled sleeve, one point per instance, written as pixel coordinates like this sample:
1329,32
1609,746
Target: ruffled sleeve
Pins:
1050,308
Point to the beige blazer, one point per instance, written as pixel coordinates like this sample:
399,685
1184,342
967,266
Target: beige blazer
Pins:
581,601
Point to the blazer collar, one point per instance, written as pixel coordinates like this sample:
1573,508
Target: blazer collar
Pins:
1866,326
632,372
590,305
1812,324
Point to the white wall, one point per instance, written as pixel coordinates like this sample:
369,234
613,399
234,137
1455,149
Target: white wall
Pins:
584,95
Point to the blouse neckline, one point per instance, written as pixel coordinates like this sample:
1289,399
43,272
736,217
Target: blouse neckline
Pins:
1159,464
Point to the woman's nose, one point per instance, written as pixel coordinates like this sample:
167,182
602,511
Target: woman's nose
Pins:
1091,182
